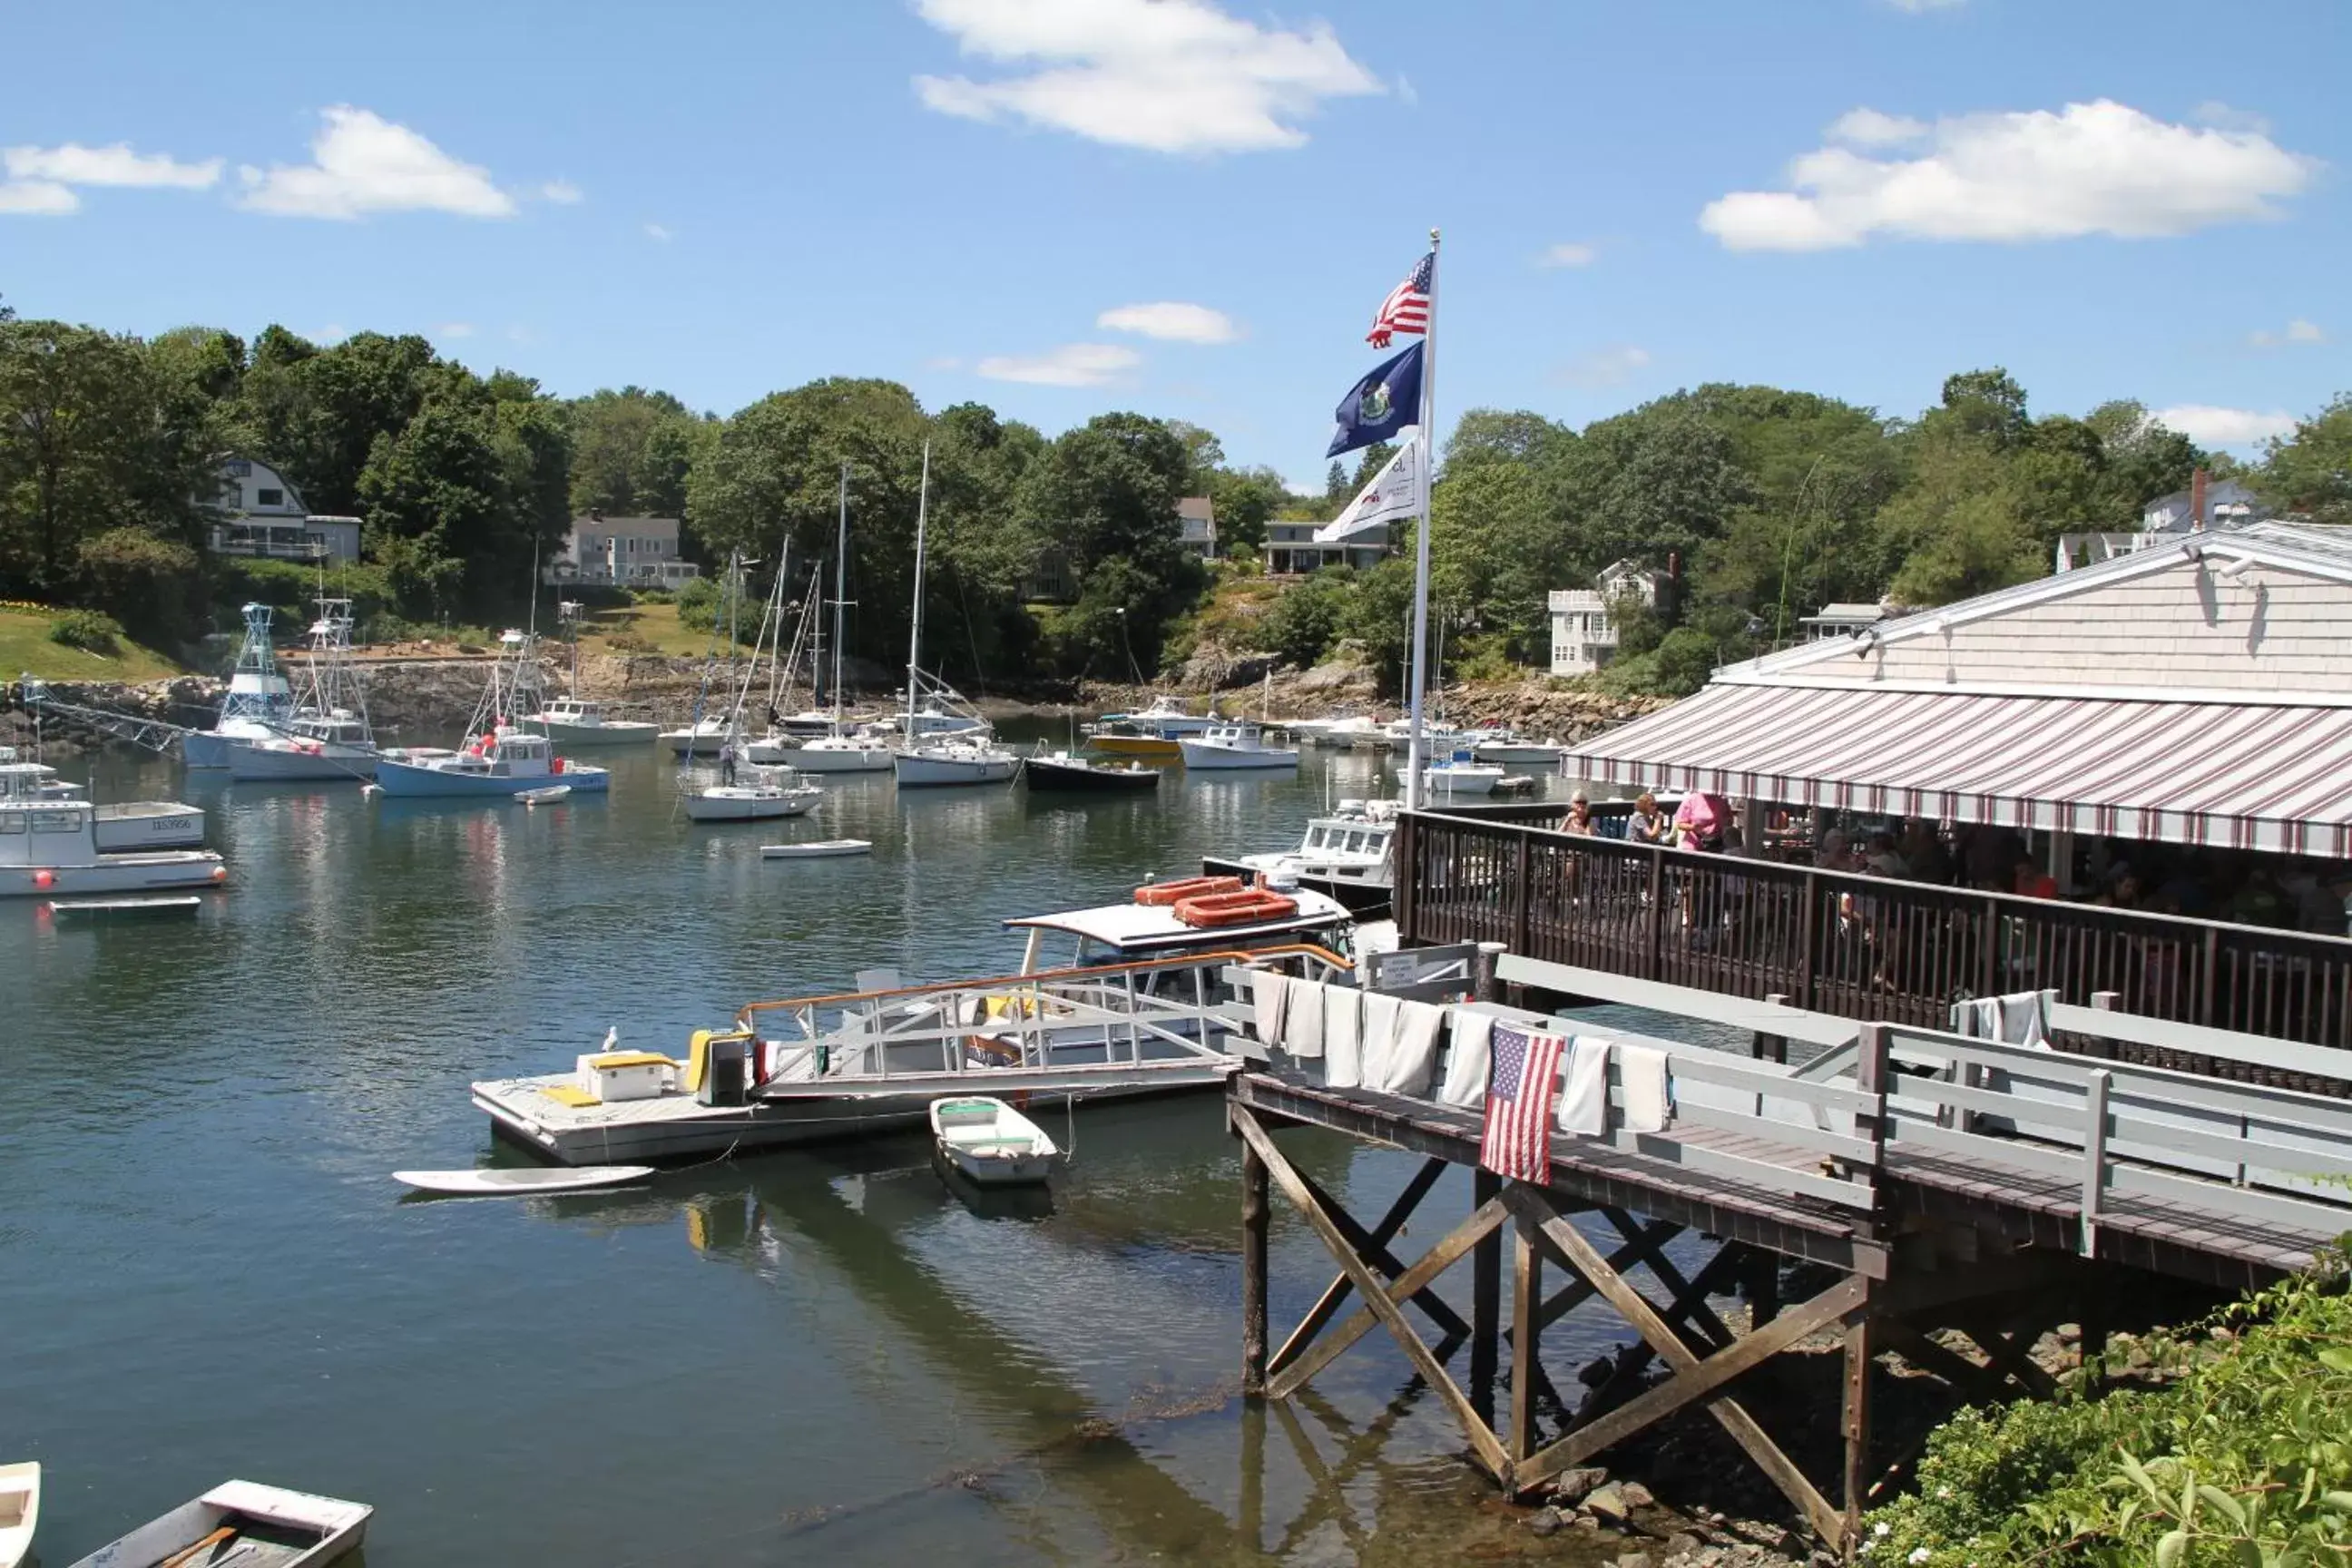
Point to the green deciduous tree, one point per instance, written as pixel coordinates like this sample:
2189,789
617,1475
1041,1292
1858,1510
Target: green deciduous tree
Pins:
2311,471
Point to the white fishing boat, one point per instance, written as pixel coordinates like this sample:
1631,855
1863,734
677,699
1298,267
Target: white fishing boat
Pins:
1121,1000
1456,775
327,736
757,796
1511,750
127,824
1166,716
964,756
48,846
522,1182
258,702
575,721
1235,747
20,1511
702,738
1348,855
244,1524
816,849
992,1144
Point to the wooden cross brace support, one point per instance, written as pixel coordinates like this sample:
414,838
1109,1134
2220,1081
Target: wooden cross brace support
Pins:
1694,1379
1373,1246
1379,1302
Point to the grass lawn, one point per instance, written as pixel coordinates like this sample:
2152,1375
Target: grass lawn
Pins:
26,650
655,625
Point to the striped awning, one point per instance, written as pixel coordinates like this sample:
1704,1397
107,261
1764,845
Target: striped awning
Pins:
2274,777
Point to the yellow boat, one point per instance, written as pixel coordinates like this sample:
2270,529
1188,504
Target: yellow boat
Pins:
1134,744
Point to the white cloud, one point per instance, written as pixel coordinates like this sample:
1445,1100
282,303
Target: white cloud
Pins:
1072,364
454,329
1169,76
1570,253
1608,366
943,362
562,193
2211,426
1873,128
73,164
655,231
2090,168
362,163
42,198
1172,322
2213,112
2296,332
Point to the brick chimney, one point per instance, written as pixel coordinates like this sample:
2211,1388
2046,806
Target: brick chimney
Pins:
2197,501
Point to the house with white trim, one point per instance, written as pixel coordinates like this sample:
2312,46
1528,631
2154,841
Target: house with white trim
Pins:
1584,636
257,513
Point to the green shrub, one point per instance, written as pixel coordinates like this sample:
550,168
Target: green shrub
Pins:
2244,1458
92,631
651,595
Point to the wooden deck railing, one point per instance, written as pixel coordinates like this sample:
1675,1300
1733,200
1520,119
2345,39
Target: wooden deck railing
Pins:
1862,947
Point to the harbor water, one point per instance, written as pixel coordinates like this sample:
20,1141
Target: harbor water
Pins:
206,1271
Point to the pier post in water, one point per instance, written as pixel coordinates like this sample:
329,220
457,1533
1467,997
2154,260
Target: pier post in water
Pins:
1255,1214
1485,1297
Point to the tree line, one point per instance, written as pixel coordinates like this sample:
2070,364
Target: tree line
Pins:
1770,502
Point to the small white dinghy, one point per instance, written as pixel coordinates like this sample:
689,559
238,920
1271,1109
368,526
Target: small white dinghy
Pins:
991,1142
243,1522
520,1182
816,849
20,1511
541,796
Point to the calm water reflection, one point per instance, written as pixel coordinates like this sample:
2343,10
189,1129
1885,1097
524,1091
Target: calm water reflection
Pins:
205,1270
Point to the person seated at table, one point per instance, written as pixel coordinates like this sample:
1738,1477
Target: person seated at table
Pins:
2123,890
1580,817
2029,880
1880,860
1648,825
1923,852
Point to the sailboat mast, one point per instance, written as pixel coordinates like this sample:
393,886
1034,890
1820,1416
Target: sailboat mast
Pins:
915,642
840,591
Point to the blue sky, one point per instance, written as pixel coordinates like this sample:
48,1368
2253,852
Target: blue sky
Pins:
2141,199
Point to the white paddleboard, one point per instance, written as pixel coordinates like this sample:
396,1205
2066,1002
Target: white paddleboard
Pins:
518,1182
814,848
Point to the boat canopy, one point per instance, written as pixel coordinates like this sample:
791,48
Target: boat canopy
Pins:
1137,929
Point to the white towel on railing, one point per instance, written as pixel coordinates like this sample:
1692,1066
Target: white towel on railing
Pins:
1302,1019
1642,1073
1269,989
1380,1013
1469,1058
1413,1056
1584,1098
2020,1019
1343,1037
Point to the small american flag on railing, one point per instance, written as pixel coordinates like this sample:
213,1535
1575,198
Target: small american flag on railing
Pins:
1521,1089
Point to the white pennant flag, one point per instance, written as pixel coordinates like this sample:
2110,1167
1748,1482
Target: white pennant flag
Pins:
1394,492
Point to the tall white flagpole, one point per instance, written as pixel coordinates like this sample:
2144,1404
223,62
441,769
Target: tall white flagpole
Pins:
1416,758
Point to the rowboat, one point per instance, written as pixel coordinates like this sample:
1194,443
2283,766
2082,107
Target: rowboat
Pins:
523,1181
20,1511
816,849
167,906
988,1142
541,796
253,1525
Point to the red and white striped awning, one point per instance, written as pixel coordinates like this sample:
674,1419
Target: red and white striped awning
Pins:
2273,777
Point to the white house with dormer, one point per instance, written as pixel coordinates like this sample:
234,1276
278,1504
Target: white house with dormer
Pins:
256,511
1583,637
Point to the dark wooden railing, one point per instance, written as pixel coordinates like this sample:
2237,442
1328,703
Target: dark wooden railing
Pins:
1862,947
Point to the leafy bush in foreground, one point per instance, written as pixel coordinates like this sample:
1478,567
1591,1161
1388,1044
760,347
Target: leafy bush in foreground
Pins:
92,631
2245,1459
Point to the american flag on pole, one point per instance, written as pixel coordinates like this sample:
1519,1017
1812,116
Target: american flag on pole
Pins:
1406,309
1520,1093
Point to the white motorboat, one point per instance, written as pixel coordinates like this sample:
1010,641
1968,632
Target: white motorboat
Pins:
1511,750
816,849
49,845
703,737
1457,776
968,754
259,700
1235,747
522,1182
545,796
20,1511
1166,717
1347,855
574,721
757,796
498,761
866,752
990,1143
126,825
1341,734
328,737
243,1523
1122,1000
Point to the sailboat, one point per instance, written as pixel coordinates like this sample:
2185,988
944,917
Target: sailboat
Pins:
962,757
498,759
837,750
705,732
750,793
258,703
328,737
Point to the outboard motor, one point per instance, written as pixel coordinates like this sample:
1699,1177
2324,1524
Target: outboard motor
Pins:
726,1072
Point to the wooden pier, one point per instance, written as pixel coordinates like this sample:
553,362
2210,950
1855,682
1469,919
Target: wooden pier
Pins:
1947,1191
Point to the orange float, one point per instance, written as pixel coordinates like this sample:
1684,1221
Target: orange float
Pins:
1160,894
1246,907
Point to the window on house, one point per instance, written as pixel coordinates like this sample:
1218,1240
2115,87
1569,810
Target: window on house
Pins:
265,497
